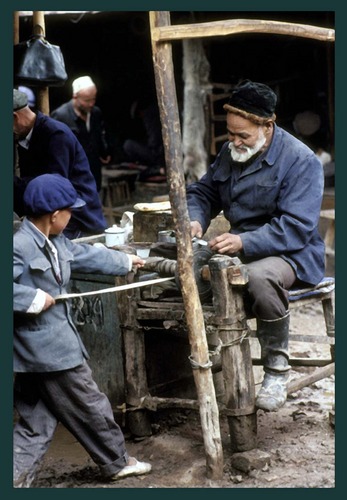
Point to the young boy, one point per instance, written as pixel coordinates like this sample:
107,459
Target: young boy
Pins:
53,380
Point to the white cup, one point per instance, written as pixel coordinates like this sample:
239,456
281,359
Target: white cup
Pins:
142,248
142,252
114,236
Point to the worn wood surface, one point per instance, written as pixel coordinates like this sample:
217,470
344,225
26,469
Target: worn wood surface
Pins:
134,358
235,355
146,225
167,100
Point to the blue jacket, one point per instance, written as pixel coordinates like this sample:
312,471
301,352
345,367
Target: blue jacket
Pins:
49,341
274,204
54,149
93,140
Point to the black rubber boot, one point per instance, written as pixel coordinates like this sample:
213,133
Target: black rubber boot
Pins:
273,337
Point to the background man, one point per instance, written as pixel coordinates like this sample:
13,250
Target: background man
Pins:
47,146
86,122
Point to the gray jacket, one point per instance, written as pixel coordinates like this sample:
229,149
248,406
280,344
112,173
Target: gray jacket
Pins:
49,341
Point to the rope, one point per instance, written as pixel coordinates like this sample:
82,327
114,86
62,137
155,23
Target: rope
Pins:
221,346
195,365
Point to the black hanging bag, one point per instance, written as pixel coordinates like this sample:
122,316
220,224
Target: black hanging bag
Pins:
38,63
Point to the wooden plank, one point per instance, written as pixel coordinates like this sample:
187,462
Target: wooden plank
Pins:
296,337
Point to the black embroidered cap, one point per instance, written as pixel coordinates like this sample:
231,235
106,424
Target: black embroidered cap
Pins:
253,97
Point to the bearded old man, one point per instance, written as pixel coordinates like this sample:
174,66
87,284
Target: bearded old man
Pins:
270,187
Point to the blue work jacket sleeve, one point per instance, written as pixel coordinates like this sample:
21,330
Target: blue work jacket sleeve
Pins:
203,197
90,259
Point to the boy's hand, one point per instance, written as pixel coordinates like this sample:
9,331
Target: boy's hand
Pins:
137,261
48,302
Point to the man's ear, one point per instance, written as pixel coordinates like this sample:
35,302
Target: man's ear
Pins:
269,125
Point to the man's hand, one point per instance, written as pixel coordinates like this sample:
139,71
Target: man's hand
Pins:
195,229
226,243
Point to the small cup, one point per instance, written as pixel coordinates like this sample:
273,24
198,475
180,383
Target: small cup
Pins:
142,248
142,252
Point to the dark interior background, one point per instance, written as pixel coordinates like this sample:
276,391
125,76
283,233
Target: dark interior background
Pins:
114,48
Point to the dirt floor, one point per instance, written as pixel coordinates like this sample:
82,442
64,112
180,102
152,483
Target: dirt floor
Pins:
295,446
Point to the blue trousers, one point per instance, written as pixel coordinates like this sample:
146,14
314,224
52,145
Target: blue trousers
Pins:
73,398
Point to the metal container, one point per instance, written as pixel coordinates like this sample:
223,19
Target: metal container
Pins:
114,236
167,236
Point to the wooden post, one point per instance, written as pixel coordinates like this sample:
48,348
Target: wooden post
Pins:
230,319
42,92
134,349
15,27
167,100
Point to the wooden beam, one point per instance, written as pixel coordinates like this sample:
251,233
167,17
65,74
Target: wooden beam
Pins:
15,27
135,359
169,116
231,323
319,374
42,92
238,26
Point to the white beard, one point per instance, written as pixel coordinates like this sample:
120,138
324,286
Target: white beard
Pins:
243,156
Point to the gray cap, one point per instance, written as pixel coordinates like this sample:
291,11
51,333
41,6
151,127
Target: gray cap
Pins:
30,95
20,100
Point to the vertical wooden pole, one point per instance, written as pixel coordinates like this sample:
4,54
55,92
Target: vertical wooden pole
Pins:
134,350
167,100
236,355
15,27
42,92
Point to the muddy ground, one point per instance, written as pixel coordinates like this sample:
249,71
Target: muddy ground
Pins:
298,440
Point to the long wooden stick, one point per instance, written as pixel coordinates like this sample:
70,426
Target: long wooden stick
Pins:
236,26
167,100
42,92
319,374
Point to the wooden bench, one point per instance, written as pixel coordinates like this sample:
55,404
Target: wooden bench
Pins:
116,191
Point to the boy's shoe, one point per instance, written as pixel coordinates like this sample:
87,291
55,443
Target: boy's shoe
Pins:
136,469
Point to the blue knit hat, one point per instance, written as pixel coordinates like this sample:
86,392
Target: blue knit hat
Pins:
50,192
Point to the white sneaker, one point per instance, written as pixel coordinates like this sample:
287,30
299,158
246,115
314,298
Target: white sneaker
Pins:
136,469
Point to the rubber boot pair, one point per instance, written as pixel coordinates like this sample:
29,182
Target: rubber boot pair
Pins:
273,336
